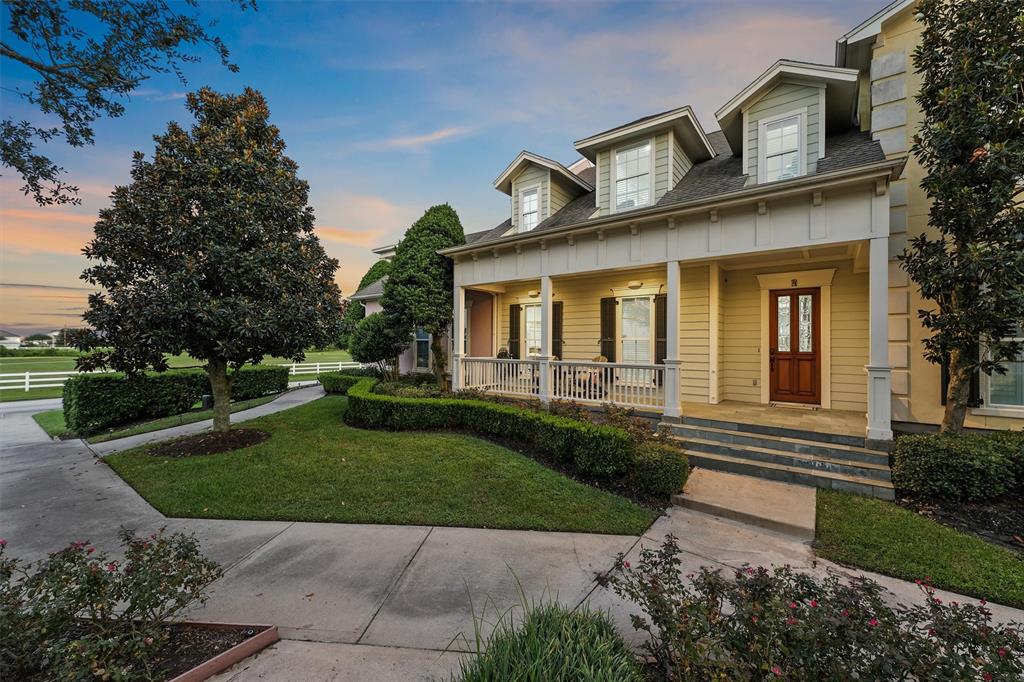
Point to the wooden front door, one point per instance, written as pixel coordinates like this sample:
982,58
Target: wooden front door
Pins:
794,355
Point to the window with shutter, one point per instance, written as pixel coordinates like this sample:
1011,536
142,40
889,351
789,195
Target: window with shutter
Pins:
514,312
608,315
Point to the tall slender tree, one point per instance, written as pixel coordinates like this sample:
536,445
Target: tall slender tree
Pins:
418,293
210,251
970,265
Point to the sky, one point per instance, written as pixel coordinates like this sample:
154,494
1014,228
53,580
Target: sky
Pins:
390,108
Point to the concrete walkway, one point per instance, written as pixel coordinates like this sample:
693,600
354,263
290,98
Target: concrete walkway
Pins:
357,601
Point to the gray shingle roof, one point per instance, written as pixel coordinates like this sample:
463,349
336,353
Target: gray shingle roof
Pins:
588,175
720,175
373,290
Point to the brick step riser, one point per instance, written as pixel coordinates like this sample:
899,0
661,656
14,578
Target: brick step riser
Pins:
738,439
755,456
753,469
755,429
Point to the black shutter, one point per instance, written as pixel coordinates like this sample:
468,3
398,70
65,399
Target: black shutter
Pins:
513,330
660,328
556,330
974,393
608,328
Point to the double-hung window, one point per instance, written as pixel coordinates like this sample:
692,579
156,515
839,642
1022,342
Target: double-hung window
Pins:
529,209
783,148
633,176
636,324
531,330
422,349
1007,390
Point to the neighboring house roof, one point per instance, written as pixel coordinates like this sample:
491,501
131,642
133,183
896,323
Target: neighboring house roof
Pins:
504,181
370,291
8,335
718,176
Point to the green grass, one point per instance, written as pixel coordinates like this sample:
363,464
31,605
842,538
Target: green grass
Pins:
52,421
314,468
886,538
67,364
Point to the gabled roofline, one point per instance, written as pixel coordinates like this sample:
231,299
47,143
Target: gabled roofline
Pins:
646,124
359,296
891,168
524,156
868,28
785,67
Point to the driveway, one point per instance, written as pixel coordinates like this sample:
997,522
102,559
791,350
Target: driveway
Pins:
356,601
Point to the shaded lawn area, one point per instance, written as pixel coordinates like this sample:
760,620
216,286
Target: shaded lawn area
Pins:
315,468
52,421
886,538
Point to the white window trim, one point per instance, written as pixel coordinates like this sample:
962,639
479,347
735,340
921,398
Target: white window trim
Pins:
612,180
652,342
801,139
524,345
430,354
525,189
990,409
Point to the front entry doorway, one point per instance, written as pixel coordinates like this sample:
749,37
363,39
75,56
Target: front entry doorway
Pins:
794,354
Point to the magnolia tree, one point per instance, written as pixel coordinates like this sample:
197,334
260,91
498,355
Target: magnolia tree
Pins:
418,293
970,265
375,342
210,251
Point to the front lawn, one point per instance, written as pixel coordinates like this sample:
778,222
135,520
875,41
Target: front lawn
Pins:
886,538
52,421
315,468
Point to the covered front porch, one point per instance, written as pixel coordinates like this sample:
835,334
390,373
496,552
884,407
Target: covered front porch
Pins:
793,338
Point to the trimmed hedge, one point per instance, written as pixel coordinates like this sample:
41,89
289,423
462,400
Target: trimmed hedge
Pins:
596,450
957,467
336,382
93,402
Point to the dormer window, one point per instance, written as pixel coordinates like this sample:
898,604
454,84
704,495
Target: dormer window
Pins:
529,209
633,176
782,140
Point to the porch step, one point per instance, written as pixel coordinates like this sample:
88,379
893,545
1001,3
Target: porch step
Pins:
789,457
780,507
777,431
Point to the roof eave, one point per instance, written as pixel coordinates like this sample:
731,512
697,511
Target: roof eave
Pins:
588,145
503,183
892,168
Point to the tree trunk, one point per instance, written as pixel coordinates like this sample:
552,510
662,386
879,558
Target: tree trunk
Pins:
217,370
440,361
958,393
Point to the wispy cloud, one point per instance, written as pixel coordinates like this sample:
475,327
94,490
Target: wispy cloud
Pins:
418,142
154,95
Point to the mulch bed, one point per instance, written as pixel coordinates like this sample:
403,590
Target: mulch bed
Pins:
210,443
190,646
1000,522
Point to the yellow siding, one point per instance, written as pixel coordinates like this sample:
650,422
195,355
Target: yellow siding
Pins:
694,338
849,339
739,343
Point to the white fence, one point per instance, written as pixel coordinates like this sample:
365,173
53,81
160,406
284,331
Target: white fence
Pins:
26,381
315,368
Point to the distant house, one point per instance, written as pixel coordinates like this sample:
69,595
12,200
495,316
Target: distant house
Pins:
9,340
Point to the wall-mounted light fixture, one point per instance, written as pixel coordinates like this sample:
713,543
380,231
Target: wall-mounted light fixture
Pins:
533,293
634,284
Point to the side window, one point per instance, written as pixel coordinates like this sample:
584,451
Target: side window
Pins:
1007,390
422,349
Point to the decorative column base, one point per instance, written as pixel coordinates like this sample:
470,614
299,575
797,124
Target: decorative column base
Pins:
879,403
457,372
672,412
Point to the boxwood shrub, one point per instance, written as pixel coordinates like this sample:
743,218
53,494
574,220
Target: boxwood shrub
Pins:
659,471
93,402
965,466
336,382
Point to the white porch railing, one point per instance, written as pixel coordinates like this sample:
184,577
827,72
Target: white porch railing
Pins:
317,367
629,385
500,375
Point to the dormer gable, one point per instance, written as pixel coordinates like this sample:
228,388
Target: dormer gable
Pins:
778,123
538,188
637,163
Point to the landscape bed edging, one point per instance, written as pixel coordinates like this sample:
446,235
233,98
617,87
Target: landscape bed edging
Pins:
229,657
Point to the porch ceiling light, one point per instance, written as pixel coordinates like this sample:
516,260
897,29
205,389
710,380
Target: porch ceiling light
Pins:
634,284
533,293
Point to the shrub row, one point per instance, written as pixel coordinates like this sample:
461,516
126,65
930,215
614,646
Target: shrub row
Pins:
959,467
593,450
93,402
336,382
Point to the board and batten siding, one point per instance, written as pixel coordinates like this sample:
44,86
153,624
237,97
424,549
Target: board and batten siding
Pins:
531,175
782,99
694,334
740,336
560,196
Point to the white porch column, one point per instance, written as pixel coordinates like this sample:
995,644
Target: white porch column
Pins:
458,334
672,361
879,373
545,339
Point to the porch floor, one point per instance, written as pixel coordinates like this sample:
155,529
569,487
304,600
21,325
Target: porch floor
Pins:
839,422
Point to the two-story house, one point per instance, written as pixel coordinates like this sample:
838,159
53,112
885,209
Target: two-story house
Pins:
739,280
